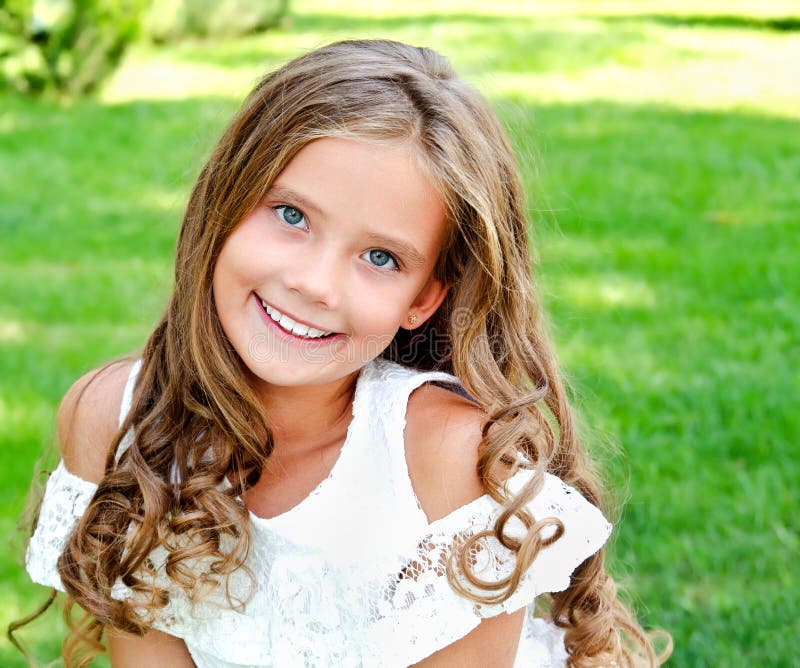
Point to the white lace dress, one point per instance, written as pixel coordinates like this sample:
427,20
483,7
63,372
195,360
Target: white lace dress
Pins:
352,576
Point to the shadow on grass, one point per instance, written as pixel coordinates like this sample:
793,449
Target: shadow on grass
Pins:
358,24
482,42
779,24
666,268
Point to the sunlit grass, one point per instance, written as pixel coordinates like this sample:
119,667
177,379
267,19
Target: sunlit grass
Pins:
661,149
596,53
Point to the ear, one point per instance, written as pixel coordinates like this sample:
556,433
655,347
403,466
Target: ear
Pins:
426,302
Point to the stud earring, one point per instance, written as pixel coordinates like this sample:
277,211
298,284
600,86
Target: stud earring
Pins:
412,318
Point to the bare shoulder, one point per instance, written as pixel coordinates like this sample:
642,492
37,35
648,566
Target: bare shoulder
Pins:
87,419
442,438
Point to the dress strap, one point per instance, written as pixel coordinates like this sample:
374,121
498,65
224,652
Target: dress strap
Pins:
125,406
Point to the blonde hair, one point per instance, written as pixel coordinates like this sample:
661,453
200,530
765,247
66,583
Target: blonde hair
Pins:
193,409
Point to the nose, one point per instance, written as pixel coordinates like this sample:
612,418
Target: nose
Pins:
317,276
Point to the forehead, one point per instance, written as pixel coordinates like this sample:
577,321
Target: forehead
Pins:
365,188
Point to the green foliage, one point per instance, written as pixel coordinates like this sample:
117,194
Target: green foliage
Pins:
171,20
67,46
13,41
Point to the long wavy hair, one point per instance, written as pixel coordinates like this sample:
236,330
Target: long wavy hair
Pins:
194,413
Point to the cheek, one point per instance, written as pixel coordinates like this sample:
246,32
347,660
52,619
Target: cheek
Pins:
382,311
226,282
244,258
233,281
223,297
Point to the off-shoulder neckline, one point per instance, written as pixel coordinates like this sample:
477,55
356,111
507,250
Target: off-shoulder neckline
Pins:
375,369
341,460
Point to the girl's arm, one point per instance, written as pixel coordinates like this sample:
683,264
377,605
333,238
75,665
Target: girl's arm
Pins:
87,424
493,643
154,649
443,432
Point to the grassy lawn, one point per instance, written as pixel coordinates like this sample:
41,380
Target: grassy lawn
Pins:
661,147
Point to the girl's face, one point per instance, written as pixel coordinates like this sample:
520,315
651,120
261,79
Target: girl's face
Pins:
340,251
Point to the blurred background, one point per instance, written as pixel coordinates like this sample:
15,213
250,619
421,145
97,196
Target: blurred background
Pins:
661,150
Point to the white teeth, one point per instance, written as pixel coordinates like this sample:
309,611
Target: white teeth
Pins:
286,322
296,328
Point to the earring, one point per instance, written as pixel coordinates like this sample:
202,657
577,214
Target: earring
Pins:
412,318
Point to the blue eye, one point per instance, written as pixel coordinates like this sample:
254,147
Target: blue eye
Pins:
292,216
381,258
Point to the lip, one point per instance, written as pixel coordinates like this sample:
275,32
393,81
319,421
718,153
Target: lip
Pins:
288,336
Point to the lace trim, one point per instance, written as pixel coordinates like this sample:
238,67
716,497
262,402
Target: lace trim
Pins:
65,499
541,645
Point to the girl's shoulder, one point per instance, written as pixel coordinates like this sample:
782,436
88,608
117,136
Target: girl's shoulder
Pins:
442,438
87,418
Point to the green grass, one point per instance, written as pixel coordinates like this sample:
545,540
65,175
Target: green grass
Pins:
661,148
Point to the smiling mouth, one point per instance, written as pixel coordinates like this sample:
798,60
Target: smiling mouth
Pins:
292,327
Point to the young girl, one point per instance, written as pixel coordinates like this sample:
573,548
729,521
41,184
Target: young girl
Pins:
347,442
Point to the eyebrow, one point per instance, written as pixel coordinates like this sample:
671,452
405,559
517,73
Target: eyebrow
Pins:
280,192
409,253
